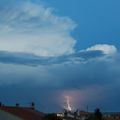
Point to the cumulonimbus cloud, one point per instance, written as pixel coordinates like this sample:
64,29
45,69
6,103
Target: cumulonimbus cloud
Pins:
32,35
34,28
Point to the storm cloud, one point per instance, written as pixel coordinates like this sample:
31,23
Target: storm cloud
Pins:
38,60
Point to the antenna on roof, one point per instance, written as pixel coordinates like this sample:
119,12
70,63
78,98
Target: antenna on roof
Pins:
33,105
87,108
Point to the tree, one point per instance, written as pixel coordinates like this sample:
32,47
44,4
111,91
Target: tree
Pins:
98,114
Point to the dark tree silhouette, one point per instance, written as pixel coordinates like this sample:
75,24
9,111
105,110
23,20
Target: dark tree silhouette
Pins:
98,114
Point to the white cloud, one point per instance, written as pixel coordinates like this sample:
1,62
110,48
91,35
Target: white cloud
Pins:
33,28
105,48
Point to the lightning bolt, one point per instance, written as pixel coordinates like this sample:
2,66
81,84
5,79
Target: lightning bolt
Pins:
67,103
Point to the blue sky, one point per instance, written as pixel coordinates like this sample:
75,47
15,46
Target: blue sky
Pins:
59,48
98,21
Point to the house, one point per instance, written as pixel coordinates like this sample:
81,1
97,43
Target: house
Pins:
111,116
19,113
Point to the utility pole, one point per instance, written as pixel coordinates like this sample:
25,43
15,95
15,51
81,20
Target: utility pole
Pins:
87,108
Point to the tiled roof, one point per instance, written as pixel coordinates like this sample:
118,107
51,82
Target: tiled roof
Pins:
23,112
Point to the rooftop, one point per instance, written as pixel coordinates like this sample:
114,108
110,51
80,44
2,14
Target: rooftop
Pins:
26,113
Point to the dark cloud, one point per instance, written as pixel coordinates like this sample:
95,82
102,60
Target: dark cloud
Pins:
33,60
88,80
21,58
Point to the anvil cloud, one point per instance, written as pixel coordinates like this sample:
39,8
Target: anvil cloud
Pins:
33,28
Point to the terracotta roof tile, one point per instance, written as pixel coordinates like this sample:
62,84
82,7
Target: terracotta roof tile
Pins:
23,112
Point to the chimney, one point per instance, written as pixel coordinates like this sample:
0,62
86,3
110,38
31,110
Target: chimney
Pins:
33,105
17,104
0,104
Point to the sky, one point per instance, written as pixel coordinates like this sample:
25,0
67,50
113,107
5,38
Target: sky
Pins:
53,49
